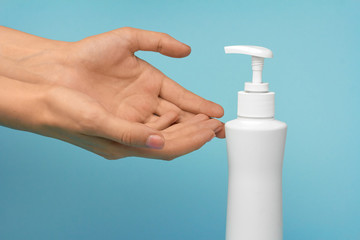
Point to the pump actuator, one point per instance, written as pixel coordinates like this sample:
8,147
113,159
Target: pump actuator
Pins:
257,56
256,101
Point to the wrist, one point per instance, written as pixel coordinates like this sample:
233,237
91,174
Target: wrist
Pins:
30,58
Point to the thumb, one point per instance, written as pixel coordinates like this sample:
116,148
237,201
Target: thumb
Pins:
154,41
130,133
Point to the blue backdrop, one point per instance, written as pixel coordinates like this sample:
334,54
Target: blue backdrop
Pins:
52,190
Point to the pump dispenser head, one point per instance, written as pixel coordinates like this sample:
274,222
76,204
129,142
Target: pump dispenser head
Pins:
256,101
257,56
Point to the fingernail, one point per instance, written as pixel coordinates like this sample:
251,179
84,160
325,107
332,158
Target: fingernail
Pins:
155,141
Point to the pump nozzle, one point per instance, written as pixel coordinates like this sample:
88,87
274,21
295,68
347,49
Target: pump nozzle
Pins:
258,54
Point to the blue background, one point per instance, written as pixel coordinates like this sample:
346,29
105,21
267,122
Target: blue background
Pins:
52,190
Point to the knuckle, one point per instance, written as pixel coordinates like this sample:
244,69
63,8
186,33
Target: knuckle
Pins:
127,33
126,137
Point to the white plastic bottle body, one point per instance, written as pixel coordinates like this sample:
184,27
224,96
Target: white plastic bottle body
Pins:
255,155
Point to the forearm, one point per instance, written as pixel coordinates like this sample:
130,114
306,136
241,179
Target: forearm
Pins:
28,58
21,104
17,45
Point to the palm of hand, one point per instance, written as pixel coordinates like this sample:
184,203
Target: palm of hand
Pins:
123,84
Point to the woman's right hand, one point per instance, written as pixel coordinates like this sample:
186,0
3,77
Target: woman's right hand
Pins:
74,117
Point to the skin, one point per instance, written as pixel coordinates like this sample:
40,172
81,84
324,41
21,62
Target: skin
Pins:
96,94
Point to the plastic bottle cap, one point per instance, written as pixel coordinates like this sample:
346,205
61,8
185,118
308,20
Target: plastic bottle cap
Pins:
256,101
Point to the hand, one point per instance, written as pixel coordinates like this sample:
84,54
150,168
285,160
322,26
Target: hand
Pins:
104,69
76,118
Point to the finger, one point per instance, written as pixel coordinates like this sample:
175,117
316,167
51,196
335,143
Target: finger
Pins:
164,121
125,132
192,138
151,118
184,129
221,133
155,41
187,100
165,106
198,118
179,146
219,126
191,121
189,143
184,116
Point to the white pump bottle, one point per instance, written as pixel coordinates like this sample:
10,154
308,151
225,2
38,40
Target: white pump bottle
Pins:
255,145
